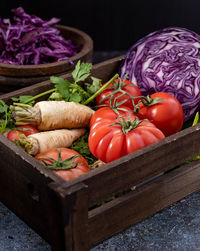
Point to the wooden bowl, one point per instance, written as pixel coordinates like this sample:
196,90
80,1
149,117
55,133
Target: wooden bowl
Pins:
13,77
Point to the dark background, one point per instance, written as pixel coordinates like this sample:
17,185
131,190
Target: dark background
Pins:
113,24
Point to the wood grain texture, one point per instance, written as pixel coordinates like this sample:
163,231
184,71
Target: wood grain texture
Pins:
69,225
146,200
141,165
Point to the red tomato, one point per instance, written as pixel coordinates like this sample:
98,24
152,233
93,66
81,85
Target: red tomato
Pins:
167,115
14,134
108,113
127,87
108,142
68,172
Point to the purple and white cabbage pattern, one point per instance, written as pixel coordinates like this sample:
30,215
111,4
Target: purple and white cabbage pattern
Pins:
27,39
167,60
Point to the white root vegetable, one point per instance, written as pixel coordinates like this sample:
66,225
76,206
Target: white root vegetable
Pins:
43,141
49,115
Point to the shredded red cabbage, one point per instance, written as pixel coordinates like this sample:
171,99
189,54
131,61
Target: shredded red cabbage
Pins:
28,39
167,60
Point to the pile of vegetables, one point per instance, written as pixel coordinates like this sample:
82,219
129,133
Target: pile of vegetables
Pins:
81,126
70,137
27,39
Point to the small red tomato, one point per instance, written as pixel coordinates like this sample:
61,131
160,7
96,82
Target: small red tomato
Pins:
120,90
65,162
167,114
28,130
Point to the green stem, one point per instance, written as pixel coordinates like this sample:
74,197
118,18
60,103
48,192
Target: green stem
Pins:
100,90
39,95
196,119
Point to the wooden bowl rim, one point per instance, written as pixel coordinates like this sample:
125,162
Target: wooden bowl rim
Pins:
43,69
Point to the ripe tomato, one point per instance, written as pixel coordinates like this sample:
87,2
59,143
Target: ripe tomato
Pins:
116,89
28,130
167,115
61,163
108,113
110,139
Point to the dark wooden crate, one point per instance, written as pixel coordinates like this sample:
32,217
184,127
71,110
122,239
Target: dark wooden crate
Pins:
65,213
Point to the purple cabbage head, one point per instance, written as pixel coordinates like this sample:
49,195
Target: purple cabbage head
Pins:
27,39
167,60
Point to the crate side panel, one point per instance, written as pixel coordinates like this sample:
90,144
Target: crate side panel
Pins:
70,223
141,165
23,187
131,208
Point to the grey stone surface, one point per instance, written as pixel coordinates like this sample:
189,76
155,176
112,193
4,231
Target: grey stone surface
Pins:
172,229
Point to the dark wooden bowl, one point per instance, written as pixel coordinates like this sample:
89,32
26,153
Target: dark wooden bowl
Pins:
13,77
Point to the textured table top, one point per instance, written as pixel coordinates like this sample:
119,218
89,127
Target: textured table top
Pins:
172,229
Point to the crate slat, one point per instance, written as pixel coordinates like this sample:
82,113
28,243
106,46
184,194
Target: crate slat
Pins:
148,199
69,225
141,165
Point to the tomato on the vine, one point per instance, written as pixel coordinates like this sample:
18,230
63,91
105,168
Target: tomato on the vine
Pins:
110,139
65,162
23,129
109,113
119,91
164,110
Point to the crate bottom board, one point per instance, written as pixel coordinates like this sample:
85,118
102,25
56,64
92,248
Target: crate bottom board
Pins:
119,214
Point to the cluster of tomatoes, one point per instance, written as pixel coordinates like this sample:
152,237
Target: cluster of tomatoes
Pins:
129,121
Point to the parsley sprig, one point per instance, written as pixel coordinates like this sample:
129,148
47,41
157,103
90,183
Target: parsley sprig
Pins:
77,90
73,91
5,116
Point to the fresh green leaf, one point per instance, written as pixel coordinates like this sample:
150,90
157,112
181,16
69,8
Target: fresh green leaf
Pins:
62,87
5,116
22,99
76,89
75,98
3,107
68,91
81,146
94,87
63,90
55,96
81,71
58,80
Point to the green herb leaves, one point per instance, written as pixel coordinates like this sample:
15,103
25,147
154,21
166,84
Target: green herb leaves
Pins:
81,146
81,71
68,91
23,99
4,115
72,91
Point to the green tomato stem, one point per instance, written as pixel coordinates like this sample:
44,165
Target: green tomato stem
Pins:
101,89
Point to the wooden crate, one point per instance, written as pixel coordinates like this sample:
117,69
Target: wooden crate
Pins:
65,213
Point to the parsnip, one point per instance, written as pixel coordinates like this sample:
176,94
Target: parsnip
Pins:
43,141
49,115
